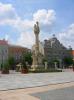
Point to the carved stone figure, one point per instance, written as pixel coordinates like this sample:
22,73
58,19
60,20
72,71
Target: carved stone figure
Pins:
37,57
36,28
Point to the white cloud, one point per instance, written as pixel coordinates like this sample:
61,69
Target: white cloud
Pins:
67,37
5,8
46,19
26,39
7,37
8,16
44,16
7,11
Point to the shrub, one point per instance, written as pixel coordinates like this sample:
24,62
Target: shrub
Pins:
5,68
45,71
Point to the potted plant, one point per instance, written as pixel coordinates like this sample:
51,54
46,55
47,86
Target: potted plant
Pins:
24,68
5,68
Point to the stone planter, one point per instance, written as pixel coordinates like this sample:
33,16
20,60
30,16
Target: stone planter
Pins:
24,71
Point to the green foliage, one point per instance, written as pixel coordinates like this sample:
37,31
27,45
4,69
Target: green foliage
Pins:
56,60
73,62
68,61
5,66
27,58
52,63
11,61
44,60
45,71
24,66
17,69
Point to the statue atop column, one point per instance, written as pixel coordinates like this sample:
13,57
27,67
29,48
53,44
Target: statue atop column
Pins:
37,57
36,28
36,32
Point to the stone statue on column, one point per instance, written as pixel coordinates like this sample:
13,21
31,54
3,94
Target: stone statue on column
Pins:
36,55
36,32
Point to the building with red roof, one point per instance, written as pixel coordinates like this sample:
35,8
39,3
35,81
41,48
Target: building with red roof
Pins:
73,54
3,42
8,50
17,52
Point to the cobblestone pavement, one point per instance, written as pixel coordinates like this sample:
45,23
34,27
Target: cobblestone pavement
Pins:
17,81
40,93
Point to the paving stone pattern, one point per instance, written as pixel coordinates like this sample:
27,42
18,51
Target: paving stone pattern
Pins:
15,81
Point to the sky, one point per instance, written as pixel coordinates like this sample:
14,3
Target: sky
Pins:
17,19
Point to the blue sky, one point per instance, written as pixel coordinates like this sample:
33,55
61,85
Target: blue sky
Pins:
18,16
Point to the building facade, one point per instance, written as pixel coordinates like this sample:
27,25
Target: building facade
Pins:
3,52
73,54
54,50
11,51
17,52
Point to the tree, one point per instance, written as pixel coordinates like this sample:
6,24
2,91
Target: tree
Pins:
27,58
44,60
52,62
11,62
68,61
5,68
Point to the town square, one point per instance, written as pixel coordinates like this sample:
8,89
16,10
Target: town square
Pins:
36,50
